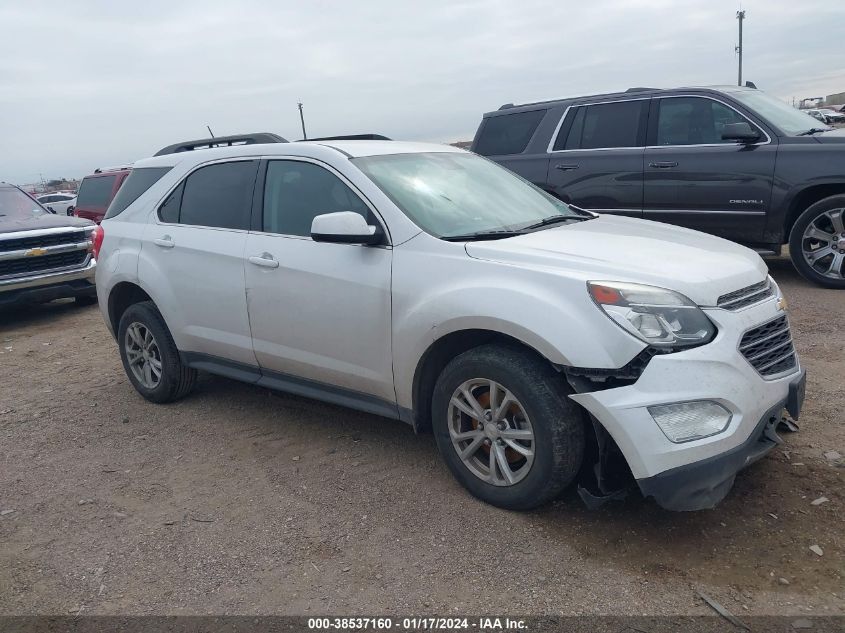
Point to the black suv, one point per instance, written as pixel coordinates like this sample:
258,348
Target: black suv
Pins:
730,161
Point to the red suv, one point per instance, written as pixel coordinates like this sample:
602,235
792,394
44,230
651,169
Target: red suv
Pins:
97,190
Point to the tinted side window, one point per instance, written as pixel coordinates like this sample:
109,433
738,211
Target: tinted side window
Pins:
693,121
296,192
219,195
508,133
169,210
606,125
138,182
95,192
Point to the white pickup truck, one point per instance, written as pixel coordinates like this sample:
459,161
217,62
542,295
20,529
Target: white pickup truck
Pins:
42,256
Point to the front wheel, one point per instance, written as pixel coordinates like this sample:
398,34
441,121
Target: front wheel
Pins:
150,357
506,428
817,242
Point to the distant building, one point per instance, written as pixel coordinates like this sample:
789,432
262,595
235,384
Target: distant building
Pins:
835,99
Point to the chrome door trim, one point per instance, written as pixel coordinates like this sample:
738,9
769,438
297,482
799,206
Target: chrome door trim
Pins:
706,211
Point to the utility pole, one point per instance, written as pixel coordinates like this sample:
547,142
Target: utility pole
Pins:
302,120
740,15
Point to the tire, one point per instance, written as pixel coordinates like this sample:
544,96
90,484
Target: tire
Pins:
175,380
556,422
821,260
85,300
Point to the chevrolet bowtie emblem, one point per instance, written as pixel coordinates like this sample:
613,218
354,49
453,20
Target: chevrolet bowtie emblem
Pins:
781,303
35,252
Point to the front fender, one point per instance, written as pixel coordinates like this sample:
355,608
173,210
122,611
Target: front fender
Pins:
550,313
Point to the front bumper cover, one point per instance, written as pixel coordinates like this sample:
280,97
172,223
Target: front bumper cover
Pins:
703,484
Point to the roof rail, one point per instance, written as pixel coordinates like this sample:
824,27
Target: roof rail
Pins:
351,137
639,89
101,170
221,141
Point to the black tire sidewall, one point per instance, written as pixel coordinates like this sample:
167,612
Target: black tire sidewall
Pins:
149,317
796,236
552,418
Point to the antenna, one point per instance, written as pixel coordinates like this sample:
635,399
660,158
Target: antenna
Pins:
208,127
302,120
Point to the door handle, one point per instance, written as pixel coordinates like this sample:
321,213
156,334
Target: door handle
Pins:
165,242
566,167
663,165
264,260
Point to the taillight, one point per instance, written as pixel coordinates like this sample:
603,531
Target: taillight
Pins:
97,240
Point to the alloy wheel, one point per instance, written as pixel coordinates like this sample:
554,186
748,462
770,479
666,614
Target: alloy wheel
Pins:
491,432
823,244
143,355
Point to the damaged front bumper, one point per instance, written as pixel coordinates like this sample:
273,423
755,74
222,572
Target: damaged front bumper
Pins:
697,474
705,483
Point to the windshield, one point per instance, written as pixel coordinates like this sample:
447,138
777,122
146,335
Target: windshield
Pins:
450,194
16,205
779,113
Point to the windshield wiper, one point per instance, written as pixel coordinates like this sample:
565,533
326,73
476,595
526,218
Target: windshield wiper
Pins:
483,235
815,130
556,219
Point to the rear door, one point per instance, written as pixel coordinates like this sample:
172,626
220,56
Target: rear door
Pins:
597,156
319,312
695,179
193,257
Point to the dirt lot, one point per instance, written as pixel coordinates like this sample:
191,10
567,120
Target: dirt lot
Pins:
239,500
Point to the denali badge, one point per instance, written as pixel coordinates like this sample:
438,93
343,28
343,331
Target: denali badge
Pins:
760,202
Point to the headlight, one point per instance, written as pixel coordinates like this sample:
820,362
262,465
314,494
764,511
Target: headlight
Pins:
662,318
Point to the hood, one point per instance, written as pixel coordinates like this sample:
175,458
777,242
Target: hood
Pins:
834,136
43,221
610,248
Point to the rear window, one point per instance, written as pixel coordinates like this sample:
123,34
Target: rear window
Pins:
138,181
218,195
95,192
507,133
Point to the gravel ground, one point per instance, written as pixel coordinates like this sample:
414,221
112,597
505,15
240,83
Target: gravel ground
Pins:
239,500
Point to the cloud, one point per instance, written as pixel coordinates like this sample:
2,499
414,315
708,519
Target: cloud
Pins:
105,83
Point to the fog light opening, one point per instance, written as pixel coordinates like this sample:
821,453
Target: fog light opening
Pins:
689,421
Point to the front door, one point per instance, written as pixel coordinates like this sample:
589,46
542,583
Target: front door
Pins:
695,179
319,312
597,157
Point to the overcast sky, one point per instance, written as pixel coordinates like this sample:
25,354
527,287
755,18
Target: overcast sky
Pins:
87,84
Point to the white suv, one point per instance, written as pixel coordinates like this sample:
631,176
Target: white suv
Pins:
540,343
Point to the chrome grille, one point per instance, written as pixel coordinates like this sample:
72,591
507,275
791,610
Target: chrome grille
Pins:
745,297
768,347
46,262
42,241
27,253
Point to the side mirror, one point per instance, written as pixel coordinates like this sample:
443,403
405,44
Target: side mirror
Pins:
741,132
70,210
344,227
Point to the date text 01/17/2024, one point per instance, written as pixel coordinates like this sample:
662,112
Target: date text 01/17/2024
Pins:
417,624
